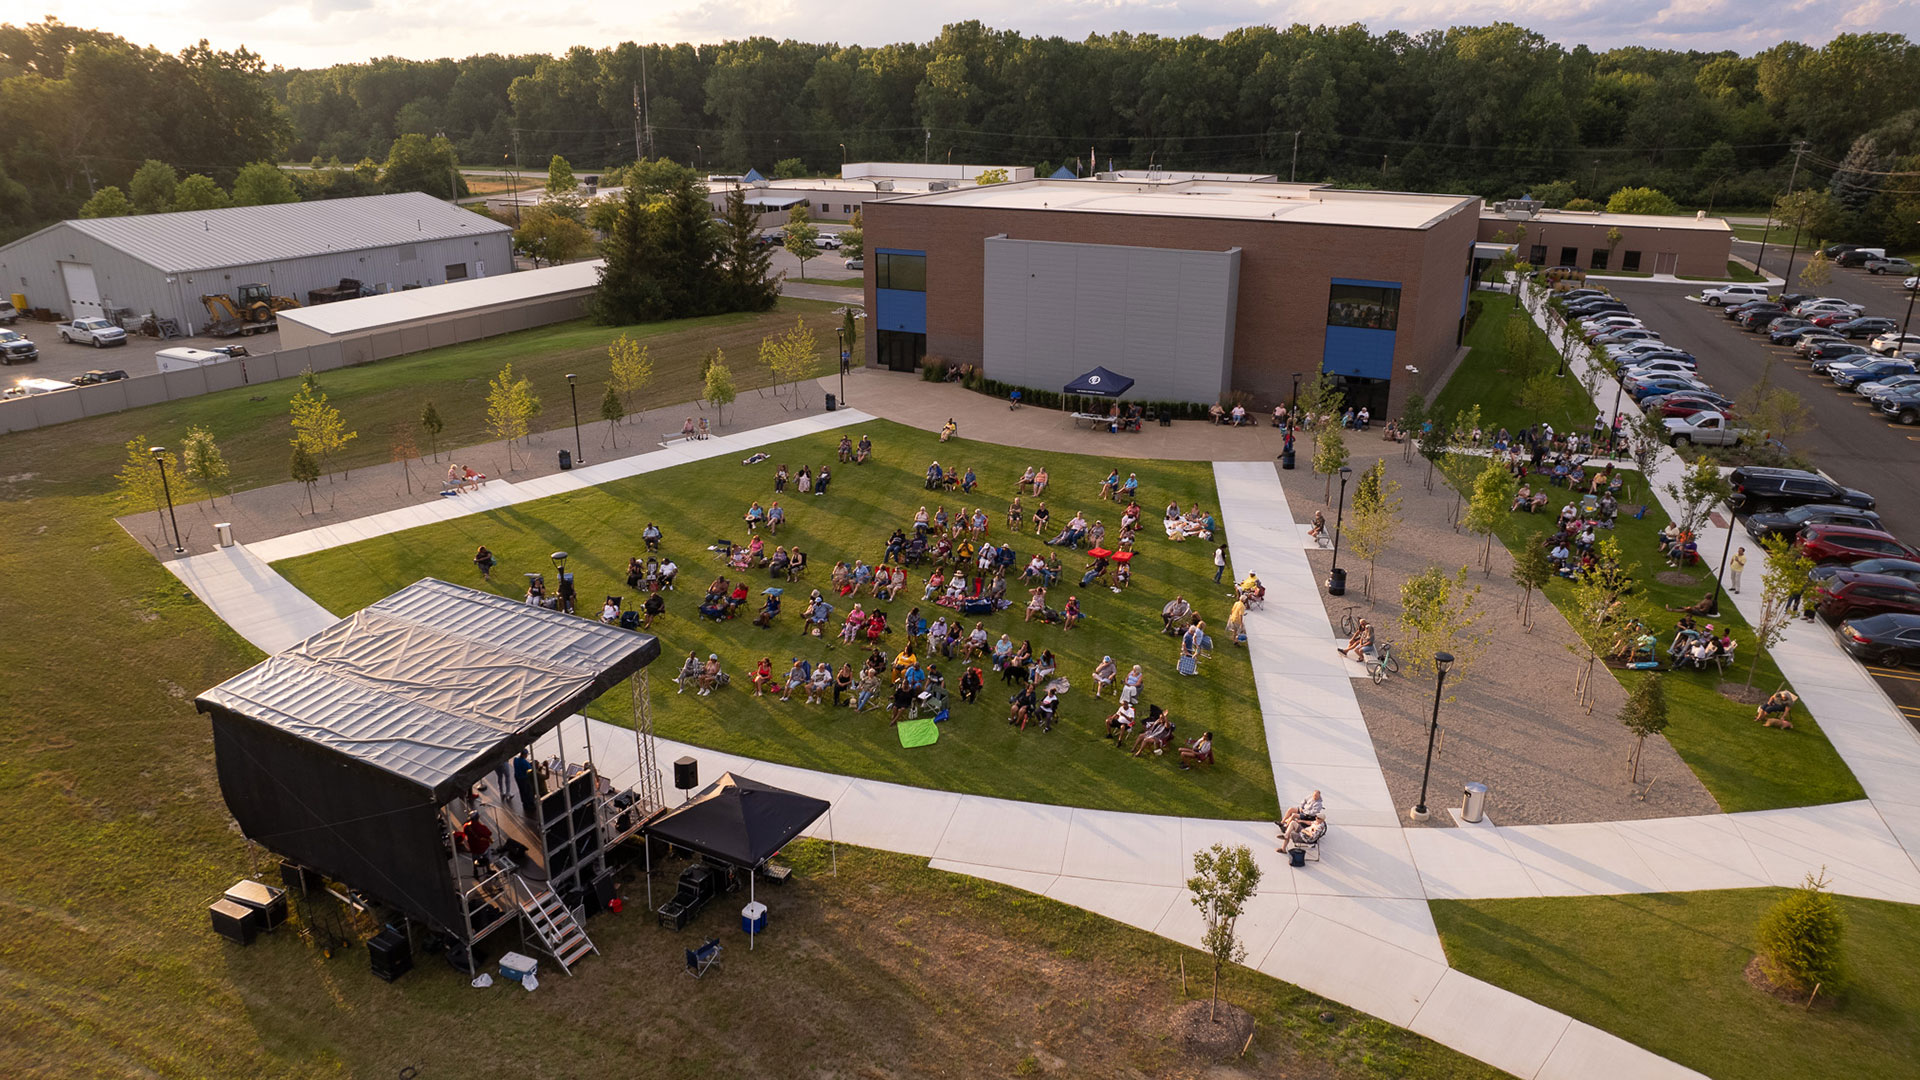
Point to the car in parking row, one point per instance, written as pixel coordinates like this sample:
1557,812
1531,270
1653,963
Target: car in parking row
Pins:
1770,488
1902,406
1772,523
1891,640
1847,374
1847,543
1854,596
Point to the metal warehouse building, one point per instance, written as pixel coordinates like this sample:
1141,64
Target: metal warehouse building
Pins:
164,263
376,327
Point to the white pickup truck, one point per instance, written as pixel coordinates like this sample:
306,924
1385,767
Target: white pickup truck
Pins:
96,332
1704,428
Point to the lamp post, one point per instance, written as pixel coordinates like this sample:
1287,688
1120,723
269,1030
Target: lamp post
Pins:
1295,402
160,459
841,333
573,392
1613,437
1907,322
1734,502
1335,575
1441,662
559,578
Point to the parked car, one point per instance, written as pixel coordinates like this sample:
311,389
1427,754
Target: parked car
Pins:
1849,374
1891,640
1732,294
1687,404
1630,349
1866,327
1824,303
35,387
1571,295
98,376
1912,283
96,332
856,264
1647,386
1891,264
1844,543
827,241
1834,251
1626,335
1787,335
1829,351
1831,319
1601,324
1900,568
1788,522
1903,406
1878,389
1769,488
1894,341
1806,343
1654,367
16,348
8,314
1859,256
1826,360
1593,305
1848,595
1758,316
1705,428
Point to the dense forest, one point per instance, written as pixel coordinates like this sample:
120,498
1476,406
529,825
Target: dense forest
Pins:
1496,110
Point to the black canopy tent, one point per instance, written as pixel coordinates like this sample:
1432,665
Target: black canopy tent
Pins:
738,821
339,753
1099,383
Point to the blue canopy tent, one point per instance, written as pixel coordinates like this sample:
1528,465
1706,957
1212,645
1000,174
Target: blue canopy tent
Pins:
753,176
1063,173
1099,383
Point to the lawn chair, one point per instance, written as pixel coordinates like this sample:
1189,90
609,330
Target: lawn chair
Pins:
704,959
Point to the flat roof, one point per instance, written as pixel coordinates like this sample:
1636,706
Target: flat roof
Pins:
1601,217
410,305
1244,200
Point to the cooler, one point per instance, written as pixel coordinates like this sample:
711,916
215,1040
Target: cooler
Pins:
517,967
753,918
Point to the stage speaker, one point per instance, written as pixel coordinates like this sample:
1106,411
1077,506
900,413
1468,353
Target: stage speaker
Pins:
295,876
580,788
457,956
237,923
686,774
605,889
389,954
270,902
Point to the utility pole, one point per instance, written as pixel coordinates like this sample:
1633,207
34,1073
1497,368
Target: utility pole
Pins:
1786,279
1799,149
516,177
1293,174
926,155
646,116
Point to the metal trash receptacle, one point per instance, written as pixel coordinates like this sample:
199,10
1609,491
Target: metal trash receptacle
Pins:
223,533
1473,804
1337,581
566,459
1286,459
832,403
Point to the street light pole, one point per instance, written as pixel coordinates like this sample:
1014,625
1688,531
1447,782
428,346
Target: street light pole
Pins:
1295,403
160,458
1613,438
841,332
1339,514
1907,322
1441,662
1734,502
573,392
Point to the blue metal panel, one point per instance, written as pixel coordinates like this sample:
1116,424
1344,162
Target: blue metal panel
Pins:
1352,350
897,251
1366,282
898,309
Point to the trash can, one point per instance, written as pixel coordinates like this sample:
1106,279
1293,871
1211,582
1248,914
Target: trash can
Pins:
831,403
223,533
1337,582
1286,459
753,918
566,459
1473,806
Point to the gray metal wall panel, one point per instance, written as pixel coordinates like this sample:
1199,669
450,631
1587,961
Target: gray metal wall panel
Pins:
57,408
103,398
148,389
188,382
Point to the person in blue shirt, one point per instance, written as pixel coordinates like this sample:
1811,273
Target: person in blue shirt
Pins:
968,481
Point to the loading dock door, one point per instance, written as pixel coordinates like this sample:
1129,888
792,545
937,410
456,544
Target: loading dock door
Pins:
83,295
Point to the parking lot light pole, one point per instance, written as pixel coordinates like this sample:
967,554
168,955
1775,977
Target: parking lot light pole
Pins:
160,459
1734,502
1613,438
574,393
1441,662
1907,323
1339,514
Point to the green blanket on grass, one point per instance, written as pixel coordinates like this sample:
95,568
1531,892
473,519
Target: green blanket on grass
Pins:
918,733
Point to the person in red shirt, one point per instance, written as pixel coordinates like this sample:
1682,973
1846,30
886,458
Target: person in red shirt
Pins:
477,839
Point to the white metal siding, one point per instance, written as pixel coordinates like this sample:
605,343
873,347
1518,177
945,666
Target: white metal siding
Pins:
1161,316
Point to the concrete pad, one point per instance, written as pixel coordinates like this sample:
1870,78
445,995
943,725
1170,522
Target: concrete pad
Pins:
820,785
893,817
1261,923
1030,881
1117,847
1339,962
1463,864
1497,1026
1690,853
1354,795
1328,696
1580,860
1584,1052
1405,923
1000,832
1359,860
1310,741
1850,840
1143,906
1260,837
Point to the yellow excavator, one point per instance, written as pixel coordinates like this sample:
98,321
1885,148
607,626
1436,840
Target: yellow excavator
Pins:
255,313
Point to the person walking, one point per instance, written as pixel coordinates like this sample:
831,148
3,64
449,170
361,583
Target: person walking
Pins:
1219,562
1737,564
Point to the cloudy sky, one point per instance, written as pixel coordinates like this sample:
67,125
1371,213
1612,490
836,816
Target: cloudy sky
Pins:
319,32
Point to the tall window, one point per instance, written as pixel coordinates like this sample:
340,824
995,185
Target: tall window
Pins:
1599,259
1368,306
907,273
1630,261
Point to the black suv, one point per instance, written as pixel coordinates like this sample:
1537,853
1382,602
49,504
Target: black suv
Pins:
97,376
1788,522
1778,489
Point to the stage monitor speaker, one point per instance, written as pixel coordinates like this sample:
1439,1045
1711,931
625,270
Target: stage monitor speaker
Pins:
390,955
270,902
295,876
686,774
237,923
580,787
553,806
604,891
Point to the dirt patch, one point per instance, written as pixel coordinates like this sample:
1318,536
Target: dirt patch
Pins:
1677,577
1757,977
1745,695
1216,1039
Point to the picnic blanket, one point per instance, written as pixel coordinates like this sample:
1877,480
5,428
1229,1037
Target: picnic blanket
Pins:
918,733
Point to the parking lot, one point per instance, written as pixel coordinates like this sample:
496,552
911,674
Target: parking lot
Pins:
59,360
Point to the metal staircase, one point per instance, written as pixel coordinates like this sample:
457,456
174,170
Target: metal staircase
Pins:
559,932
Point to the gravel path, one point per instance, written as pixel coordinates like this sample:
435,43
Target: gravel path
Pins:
1513,725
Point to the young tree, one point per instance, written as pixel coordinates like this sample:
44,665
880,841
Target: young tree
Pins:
1776,414
1224,879
1818,272
1436,445
1800,939
546,234
508,411
1517,337
853,238
791,168
1605,610
317,425
305,470
1461,468
745,263
108,202
263,184
1329,456
562,194
1697,492
1321,403
719,384
198,192
1373,519
1438,613
801,234
1531,571
1645,435
152,187
1541,394
1644,714
1492,501
792,356
849,334
990,176
401,451
1413,415
611,412
631,365
431,422
1783,588
138,481
201,460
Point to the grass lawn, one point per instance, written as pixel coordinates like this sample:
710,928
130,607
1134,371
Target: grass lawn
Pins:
977,752
848,281
1483,379
1735,272
383,398
1745,766
1664,971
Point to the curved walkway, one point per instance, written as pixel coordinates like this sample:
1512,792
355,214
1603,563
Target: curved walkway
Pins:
1354,927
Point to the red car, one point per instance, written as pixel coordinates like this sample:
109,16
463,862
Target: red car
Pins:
1838,543
1848,595
1686,406
1833,318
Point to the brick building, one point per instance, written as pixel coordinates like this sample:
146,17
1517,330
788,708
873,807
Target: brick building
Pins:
1603,243
1193,288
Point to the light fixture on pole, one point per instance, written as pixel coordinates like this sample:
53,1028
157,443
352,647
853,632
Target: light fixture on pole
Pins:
1336,577
573,392
1441,662
1734,502
1295,403
160,458
841,332
1613,439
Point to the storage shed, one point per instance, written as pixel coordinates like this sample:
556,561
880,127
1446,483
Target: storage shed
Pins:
446,314
165,263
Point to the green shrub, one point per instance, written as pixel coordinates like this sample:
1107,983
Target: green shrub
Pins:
1800,939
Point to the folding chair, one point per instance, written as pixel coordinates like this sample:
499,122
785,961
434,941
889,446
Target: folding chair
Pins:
704,959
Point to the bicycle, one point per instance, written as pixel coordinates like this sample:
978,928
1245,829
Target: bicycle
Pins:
1347,621
1382,663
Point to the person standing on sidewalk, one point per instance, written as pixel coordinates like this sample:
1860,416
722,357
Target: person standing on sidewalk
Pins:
1219,562
1737,564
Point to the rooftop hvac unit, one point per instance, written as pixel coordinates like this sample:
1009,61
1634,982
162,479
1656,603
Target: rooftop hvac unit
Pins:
937,185
883,185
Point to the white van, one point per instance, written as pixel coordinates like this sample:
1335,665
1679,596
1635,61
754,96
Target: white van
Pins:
30,387
185,359
1733,294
